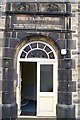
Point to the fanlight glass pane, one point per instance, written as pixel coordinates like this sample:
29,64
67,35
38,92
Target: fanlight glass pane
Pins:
51,56
46,78
47,49
37,54
41,45
33,45
23,54
27,49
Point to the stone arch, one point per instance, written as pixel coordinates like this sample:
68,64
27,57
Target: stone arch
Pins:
47,39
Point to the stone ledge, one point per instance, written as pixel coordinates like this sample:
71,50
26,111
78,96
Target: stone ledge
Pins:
36,118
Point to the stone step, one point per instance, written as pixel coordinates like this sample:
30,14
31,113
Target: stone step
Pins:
36,118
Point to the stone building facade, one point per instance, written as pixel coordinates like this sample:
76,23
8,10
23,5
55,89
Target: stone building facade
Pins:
40,33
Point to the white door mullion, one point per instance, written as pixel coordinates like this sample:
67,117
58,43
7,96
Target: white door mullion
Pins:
38,86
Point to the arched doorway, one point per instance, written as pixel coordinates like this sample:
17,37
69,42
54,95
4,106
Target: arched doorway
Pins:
37,79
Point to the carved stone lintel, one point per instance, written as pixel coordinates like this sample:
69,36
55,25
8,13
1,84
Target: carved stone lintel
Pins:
38,7
23,7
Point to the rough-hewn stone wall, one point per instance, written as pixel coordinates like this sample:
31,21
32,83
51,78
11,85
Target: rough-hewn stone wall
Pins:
74,55
68,68
2,29
78,64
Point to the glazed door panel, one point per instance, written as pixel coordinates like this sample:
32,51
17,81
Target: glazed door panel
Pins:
45,89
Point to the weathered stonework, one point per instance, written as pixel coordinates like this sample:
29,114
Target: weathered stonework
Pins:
2,28
17,28
74,56
78,64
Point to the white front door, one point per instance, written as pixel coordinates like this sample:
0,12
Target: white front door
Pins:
46,90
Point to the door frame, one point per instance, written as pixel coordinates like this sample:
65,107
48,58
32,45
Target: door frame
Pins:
18,88
36,59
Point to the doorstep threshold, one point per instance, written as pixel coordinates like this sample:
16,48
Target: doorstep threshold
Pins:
22,116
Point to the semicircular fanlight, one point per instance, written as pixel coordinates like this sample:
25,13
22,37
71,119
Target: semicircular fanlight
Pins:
37,50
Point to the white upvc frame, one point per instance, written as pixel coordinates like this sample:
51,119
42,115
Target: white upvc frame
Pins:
54,61
46,44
